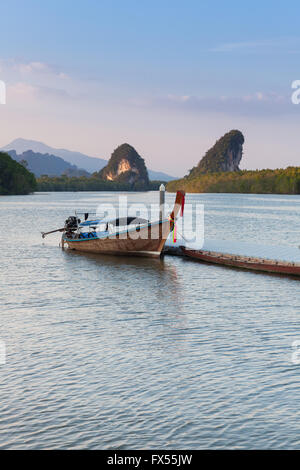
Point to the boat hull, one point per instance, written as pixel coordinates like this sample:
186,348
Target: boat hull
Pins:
243,262
147,241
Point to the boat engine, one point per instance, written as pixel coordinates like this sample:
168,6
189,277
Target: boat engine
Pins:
71,224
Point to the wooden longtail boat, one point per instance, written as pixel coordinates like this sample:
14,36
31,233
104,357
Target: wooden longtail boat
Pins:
137,237
244,262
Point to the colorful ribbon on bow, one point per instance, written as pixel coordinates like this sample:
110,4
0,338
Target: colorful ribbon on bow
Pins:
173,222
174,233
182,205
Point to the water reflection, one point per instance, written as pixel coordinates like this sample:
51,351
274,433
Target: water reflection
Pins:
99,259
159,276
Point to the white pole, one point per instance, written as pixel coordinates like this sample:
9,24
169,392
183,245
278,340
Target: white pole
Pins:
162,192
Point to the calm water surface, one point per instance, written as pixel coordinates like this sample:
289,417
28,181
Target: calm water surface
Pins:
123,353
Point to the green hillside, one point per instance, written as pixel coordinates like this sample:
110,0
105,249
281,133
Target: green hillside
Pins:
14,177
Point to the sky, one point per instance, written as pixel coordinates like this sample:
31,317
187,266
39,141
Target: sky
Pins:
168,77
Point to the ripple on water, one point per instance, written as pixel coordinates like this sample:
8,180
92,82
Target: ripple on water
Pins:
114,353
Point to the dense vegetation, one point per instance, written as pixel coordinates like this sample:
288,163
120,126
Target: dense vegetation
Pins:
281,181
225,155
137,172
14,177
94,183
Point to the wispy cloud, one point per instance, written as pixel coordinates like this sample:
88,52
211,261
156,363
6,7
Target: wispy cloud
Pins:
255,104
24,92
22,89
33,68
33,81
286,44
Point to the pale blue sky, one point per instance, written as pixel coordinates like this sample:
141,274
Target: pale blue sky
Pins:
169,77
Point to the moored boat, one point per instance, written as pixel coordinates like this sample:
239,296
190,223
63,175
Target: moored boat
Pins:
244,262
123,236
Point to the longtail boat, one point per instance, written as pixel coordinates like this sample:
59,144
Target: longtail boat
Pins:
244,262
130,236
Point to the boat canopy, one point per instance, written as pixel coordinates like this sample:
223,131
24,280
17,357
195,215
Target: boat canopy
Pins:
91,222
127,220
121,221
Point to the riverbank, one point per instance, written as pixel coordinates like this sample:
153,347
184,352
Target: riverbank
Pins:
280,181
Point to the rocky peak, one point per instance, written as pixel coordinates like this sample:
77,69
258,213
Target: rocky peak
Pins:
127,166
224,156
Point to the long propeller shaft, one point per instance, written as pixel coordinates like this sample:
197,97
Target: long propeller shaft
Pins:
52,231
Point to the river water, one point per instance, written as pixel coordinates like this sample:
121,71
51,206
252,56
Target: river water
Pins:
108,352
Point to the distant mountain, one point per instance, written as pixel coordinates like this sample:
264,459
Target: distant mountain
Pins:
90,164
160,176
46,164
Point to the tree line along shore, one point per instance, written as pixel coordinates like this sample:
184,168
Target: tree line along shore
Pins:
93,183
280,181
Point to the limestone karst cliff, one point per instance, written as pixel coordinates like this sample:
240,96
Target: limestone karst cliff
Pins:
224,156
126,166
